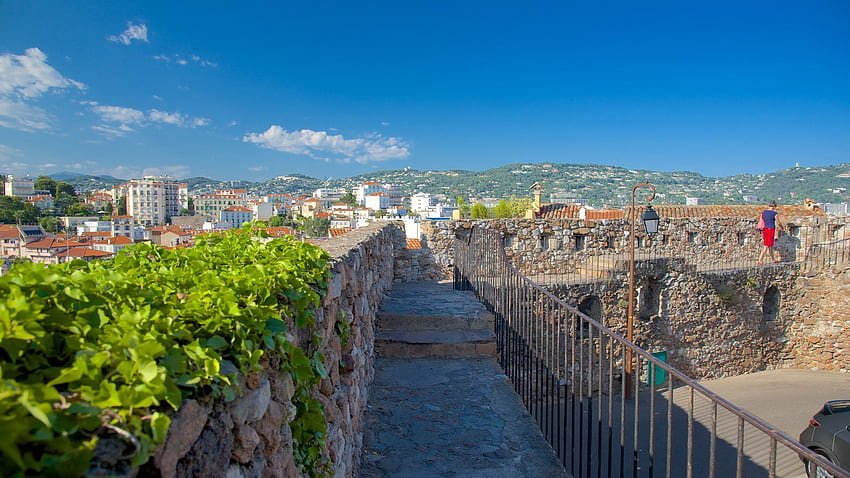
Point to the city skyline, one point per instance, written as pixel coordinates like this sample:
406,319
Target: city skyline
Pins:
336,90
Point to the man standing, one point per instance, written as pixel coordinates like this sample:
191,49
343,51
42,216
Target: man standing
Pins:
771,223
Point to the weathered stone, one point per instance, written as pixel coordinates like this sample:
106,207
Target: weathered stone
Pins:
186,426
251,406
246,440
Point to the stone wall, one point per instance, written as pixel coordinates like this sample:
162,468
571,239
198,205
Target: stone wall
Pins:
710,324
251,437
821,319
563,246
710,318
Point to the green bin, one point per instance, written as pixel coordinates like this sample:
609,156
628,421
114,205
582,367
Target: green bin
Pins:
655,371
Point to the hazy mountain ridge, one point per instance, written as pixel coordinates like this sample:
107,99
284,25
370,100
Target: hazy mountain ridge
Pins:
601,185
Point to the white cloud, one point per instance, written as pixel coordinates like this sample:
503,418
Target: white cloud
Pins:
7,152
385,123
176,119
257,169
47,165
21,116
29,75
133,32
182,61
157,97
116,120
120,114
324,146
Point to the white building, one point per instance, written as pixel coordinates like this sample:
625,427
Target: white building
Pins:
395,194
124,226
234,216
263,211
94,226
693,201
369,188
329,195
376,201
154,199
19,186
422,201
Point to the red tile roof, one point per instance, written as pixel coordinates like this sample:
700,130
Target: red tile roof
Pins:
84,252
117,241
558,211
414,244
280,231
338,231
52,243
744,211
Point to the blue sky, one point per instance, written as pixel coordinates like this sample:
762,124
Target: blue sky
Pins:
253,90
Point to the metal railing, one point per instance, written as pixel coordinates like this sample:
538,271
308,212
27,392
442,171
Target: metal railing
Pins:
568,370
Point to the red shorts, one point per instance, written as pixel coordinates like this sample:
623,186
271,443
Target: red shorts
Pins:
768,235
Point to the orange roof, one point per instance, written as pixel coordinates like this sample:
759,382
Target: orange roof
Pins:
338,231
95,234
9,232
558,211
378,194
598,214
52,243
238,209
84,252
748,211
414,244
122,217
370,183
117,241
324,214
280,231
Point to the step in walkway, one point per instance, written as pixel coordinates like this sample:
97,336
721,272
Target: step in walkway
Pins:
440,404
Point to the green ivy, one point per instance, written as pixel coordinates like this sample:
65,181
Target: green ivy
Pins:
90,349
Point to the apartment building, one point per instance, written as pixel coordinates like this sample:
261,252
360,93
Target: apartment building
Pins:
21,186
234,216
210,205
154,199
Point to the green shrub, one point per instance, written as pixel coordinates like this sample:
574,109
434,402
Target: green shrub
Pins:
87,349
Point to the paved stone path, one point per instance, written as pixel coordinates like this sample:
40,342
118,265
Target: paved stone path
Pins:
458,417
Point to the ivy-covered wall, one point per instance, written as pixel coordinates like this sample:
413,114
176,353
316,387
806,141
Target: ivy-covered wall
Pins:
253,435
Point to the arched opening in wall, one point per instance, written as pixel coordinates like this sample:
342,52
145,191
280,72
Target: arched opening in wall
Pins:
692,237
649,299
544,242
742,239
509,241
770,305
591,306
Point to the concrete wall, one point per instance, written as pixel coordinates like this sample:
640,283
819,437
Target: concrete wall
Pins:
251,437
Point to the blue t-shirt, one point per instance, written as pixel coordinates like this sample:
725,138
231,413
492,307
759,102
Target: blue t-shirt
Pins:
769,219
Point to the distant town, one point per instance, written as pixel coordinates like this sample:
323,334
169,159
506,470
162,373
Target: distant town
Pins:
48,221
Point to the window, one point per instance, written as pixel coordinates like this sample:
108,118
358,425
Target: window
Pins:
692,237
649,299
580,240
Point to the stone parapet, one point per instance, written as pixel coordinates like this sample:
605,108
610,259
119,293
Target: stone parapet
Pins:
251,436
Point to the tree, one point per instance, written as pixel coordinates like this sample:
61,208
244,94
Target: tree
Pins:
122,206
14,210
502,209
350,199
463,208
275,221
50,223
316,226
479,211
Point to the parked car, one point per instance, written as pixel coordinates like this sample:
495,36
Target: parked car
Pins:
828,435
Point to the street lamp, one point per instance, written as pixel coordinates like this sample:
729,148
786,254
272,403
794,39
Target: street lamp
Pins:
650,220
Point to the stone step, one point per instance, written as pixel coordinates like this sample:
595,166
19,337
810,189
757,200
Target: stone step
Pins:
480,320
435,343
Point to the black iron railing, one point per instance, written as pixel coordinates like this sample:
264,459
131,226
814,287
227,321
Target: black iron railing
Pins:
568,369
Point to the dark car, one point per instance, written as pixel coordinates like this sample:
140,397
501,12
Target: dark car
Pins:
828,435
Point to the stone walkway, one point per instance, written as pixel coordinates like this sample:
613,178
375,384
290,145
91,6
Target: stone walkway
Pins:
437,416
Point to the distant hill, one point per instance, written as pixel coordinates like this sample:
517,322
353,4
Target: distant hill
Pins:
600,185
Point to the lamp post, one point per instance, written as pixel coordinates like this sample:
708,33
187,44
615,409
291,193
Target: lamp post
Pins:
650,221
